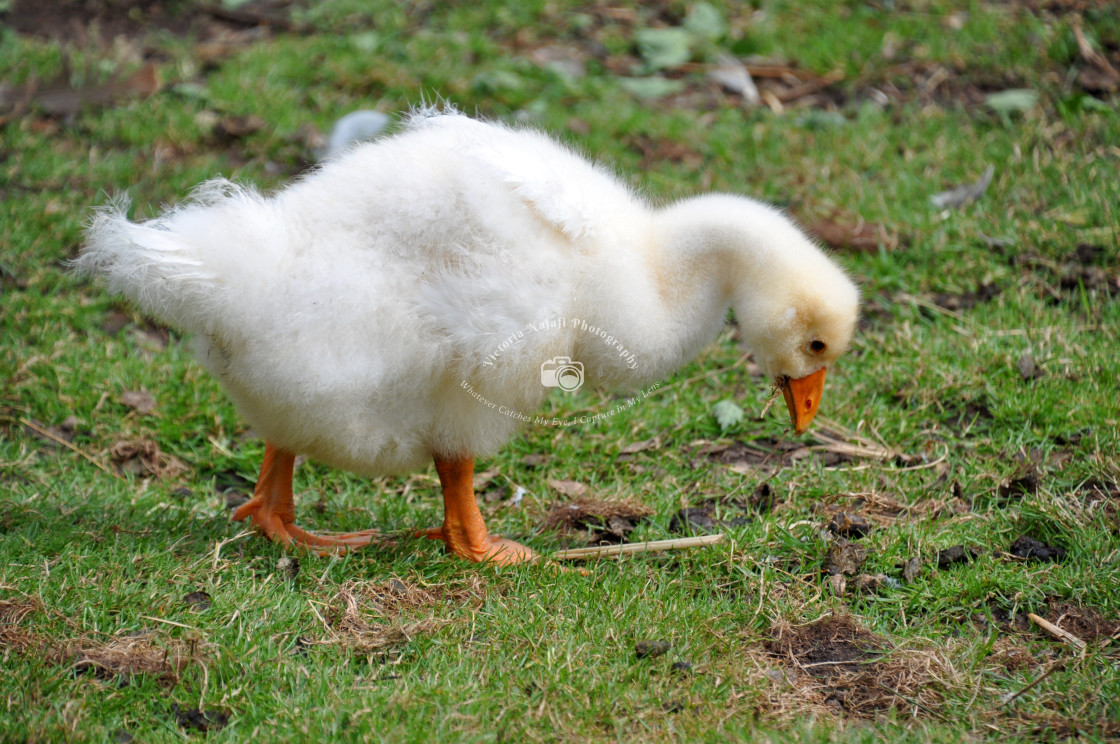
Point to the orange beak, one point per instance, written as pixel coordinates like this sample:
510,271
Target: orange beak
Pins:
802,398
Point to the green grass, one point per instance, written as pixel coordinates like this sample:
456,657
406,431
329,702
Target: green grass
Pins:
92,561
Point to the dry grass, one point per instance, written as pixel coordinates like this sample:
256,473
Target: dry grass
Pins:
126,654
835,663
346,617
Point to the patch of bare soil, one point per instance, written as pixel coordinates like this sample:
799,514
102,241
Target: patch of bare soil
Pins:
1092,269
1087,623
603,522
851,669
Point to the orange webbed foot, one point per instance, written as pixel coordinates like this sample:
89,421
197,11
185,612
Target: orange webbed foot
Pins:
272,509
464,531
485,548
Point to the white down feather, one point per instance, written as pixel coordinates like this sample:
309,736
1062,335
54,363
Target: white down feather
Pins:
368,313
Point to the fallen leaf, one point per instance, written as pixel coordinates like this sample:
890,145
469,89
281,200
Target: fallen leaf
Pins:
140,401
143,457
574,489
864,237
230,128
911,569
964,194
664,48
651,87
734,77
1014,101
1028,369
705,21
483,479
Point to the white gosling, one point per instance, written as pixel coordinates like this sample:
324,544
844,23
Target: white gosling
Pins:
398,303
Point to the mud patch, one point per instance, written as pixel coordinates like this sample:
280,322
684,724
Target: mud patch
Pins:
1089,269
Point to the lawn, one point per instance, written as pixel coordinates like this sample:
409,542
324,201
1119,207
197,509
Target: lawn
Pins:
938,559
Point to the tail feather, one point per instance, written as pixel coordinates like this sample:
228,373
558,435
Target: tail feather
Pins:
175,267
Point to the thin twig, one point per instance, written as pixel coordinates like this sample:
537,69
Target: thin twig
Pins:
1060,633
1007,699
59,440
614,551
168,622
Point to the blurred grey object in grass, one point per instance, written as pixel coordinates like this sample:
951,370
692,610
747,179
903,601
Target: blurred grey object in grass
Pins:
354,127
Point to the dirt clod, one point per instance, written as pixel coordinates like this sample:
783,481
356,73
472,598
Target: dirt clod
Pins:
850,525
956,554
651,649
198,601
1023,483
1031,549
911,569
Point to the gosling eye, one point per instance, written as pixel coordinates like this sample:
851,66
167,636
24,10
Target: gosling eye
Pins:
817,346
